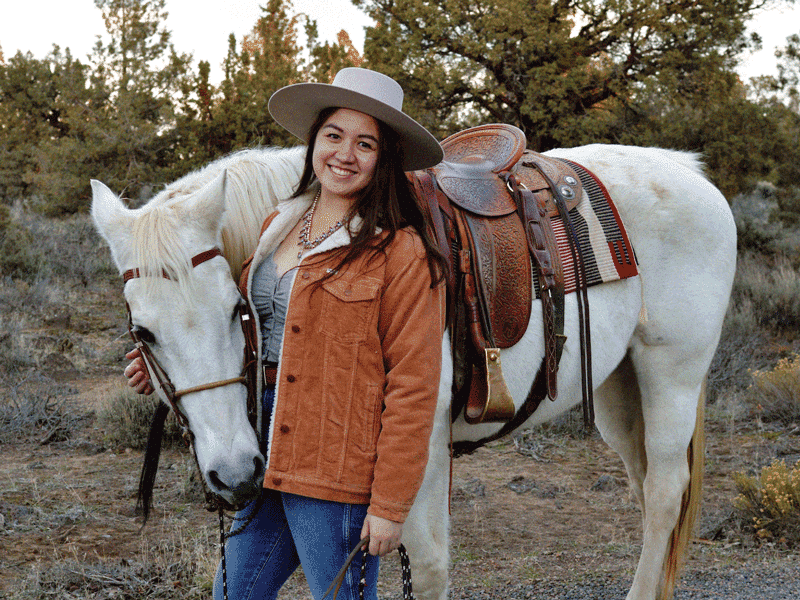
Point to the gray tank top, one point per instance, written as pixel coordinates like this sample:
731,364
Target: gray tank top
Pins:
271,299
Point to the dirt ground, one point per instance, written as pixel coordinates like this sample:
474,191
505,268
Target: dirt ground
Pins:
560,511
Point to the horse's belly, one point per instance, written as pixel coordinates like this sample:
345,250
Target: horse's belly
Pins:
614,313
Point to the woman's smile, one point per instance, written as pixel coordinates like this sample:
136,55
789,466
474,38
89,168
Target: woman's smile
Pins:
346,153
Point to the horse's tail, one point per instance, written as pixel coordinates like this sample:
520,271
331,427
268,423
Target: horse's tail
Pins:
690,503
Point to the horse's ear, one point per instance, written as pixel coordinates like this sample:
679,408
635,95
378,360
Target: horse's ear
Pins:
111,217
207,205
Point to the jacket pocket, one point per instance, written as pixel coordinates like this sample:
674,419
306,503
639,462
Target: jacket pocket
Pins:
348,308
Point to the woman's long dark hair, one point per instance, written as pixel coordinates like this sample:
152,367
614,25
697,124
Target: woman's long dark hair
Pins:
388,201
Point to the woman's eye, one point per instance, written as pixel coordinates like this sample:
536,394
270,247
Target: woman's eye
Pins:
144,334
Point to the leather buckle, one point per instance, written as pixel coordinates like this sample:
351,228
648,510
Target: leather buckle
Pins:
270,372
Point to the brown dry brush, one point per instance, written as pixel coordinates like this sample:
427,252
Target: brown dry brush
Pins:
168,571
35,409
769,505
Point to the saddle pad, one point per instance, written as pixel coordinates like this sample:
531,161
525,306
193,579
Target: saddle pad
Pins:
604,244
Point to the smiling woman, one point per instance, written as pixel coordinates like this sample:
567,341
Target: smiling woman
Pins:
346,287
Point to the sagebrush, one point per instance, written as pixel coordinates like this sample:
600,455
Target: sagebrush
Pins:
126,418
769,505
776,392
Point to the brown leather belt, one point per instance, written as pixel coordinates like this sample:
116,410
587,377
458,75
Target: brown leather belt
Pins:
270,373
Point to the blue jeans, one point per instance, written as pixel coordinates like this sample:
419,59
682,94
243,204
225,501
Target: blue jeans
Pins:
288,531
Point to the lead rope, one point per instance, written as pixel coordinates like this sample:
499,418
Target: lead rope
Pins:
222,553
225,536
363,545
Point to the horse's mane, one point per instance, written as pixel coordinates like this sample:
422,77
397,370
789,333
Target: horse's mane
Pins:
257,179
157,250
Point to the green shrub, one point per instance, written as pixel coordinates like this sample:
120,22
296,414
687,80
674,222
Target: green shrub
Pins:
126,417
769,505
776,392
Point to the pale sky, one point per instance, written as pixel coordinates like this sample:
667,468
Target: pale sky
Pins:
34,25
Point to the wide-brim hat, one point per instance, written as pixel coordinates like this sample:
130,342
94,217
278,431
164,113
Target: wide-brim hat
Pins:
297,106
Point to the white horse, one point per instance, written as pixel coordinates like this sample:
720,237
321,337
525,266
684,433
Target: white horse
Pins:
653,335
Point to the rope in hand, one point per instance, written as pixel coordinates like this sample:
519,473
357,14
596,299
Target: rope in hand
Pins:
224,536
363,546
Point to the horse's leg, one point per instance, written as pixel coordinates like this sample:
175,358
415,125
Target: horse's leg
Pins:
427,528
671,387
618,415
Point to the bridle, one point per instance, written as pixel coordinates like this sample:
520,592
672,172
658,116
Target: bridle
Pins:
164,387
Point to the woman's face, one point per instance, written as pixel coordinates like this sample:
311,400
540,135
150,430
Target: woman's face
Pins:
346,153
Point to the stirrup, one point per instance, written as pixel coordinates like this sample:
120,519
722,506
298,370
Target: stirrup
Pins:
489,399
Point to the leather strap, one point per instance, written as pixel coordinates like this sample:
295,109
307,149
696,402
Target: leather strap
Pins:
426,192
582,296
197,259
363,546
544,254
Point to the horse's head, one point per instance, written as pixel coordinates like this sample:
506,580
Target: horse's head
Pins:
188,316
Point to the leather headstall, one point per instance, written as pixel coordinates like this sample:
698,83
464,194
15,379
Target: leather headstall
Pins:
158,375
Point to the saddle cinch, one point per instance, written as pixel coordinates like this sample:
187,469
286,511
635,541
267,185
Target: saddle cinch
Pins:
491,202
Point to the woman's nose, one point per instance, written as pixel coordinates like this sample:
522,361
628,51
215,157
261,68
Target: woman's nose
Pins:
345,152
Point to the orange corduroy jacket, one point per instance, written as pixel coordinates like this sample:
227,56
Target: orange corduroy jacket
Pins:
358,373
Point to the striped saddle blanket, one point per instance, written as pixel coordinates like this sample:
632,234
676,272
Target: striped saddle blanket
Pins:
603,242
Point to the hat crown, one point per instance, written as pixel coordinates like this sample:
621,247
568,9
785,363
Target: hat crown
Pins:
375,85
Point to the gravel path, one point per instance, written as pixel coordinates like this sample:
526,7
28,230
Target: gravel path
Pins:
734,583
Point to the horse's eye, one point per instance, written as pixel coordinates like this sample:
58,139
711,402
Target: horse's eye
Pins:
144,334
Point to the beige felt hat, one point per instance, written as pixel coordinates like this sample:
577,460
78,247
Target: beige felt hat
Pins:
296,107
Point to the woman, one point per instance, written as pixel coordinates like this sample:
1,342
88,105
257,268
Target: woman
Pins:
346,283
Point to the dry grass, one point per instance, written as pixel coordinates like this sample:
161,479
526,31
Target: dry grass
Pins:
776,393
179,568
769,505
35,409
773,289
125,417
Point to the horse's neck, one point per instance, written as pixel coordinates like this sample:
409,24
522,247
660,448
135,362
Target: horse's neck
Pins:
257,179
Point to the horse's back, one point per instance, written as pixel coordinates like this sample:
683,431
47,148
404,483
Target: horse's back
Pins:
684,237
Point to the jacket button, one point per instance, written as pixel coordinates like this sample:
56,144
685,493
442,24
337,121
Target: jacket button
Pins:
284,429
290,378
296,328
306,275
277,481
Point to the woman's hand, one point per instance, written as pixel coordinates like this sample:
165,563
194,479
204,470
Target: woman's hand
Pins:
136,373
384,535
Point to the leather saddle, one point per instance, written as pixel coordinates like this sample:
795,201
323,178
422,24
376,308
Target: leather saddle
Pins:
491,202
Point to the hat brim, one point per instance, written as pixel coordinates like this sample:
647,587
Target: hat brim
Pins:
296,107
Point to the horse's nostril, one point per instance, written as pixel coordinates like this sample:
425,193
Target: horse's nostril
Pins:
215,481
258,472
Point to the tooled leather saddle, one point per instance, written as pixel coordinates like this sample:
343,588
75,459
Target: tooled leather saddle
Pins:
491,202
